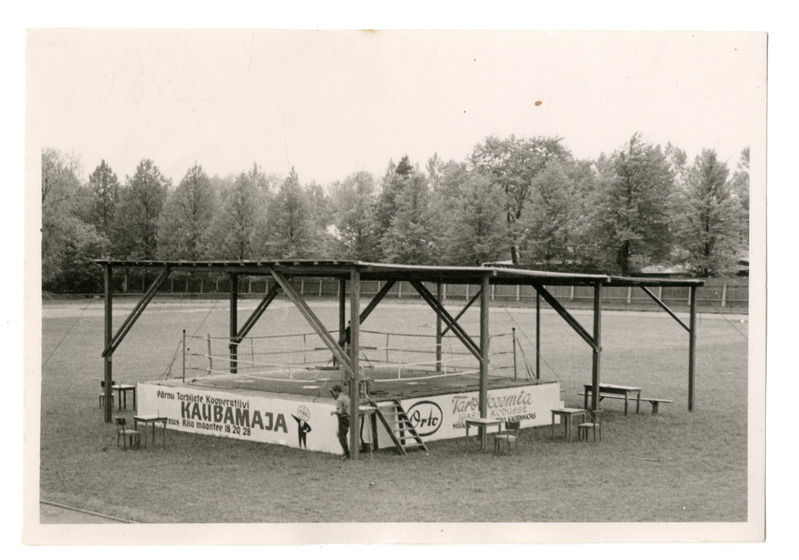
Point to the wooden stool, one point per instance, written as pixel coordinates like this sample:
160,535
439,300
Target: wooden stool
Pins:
595,426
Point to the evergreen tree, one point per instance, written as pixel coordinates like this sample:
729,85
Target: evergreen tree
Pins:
293,229
407,240
141,202
353,203
234,229
186,219
103,190
475,230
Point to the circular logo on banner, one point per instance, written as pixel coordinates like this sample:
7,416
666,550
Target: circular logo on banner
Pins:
426,417
303,413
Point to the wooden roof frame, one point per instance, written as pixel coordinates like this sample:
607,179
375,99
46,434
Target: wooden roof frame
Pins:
354,272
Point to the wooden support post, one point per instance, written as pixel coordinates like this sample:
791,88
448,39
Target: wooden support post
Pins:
342,308
183,363
342,316
107,366
484,349
692,350
234,322
355,334
597,348
439,336
724,294
537,335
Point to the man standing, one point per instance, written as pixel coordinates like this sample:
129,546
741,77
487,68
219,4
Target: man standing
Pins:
343,413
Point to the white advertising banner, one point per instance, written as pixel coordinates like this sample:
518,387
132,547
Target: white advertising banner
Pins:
444,416
309,425
243,416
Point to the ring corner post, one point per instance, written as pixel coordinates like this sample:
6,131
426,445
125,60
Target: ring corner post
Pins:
355,331
234,322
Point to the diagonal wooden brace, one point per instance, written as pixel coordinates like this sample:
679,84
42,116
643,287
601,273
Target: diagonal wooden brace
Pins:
447,318
345,335
136,313
665,308
314,321
252,319
475,297
563,312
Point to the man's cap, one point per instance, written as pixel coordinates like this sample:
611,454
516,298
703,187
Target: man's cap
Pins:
336,388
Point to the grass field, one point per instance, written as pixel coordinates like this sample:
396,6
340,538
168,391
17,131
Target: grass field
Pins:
672,467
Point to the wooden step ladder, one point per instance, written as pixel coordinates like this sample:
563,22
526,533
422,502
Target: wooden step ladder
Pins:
398,426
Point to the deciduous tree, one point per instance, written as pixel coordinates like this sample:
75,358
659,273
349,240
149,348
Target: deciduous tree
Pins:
632,214
511,165
707,221
68,243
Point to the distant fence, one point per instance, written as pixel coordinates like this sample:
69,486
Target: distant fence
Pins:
722,293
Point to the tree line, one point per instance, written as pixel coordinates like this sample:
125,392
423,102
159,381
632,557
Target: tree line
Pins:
525,201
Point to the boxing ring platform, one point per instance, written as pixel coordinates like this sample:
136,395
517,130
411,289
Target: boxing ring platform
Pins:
295,411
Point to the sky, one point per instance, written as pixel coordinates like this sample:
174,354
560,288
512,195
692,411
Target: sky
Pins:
332,103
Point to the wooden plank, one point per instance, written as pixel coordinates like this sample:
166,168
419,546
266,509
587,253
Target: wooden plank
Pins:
665,307
447,318
258,312
314,321
136,313
563,312
355,352
462,311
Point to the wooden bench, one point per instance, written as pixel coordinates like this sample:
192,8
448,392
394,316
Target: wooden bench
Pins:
655,402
